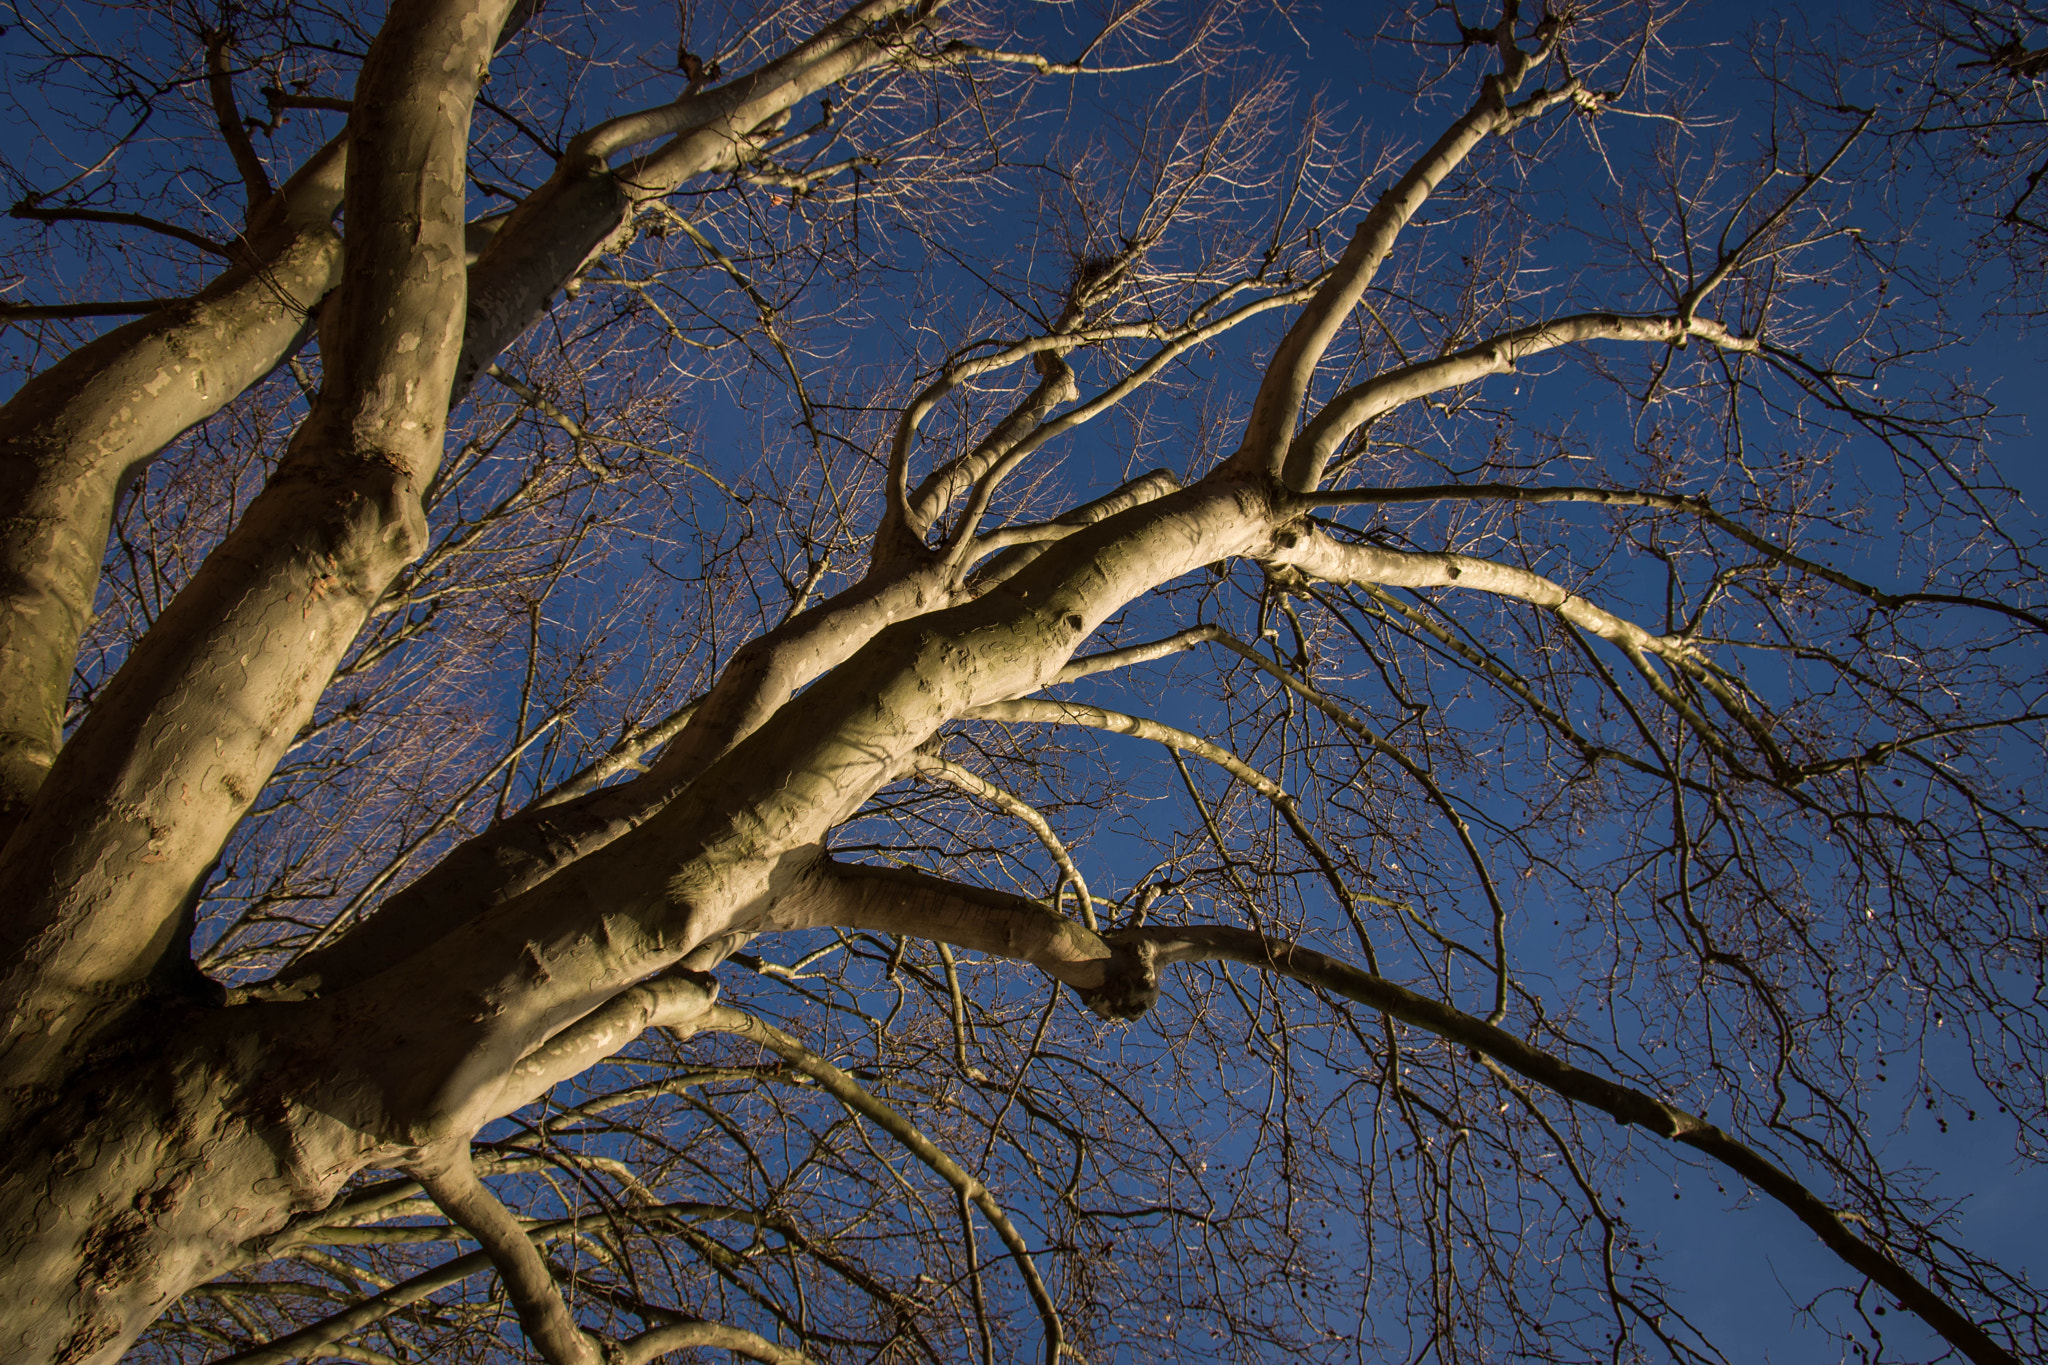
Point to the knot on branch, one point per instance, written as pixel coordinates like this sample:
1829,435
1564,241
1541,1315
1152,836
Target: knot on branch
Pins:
1130,981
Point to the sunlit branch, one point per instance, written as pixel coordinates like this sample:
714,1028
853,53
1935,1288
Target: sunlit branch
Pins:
1270,429
1319,555
1129,656
1137,727
1309,454
452,1185
1669,502
309,1340
623,757
1017,546
681,1336
1730,260
677,999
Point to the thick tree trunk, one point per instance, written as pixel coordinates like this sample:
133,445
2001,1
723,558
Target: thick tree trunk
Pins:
188,1140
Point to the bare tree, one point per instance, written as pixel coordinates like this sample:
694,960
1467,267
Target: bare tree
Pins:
1964,83
1479,664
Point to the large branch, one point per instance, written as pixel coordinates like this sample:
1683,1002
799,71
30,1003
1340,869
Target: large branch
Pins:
521,852
677,1000
528,1282
99,877
715,859
587,204
78,432
1285,386
903,901
926,664
1122,964
1318,555
659,1341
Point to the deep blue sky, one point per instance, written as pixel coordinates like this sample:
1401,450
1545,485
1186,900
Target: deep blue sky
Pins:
1740,1271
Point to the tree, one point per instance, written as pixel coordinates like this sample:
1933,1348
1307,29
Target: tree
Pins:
406,773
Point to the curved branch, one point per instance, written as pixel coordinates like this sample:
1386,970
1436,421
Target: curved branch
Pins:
29,210
1310,452
1319,555
75,433
585,204
913,904
1624,1103
967,780
1138,727
528,1282
141,800
308,1341
1285,386
848,1092
677,999
1665,502
220,87
679,1336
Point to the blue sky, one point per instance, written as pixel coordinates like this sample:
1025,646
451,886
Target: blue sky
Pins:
1739,1272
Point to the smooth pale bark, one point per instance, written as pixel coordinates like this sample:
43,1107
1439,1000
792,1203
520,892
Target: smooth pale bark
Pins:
897,900
1277,408
1311,451
78,432
588,204
1116,973
745,832
549,1324
658,1341
1318,555
535,955
524,850
521,852
1315,553
139,804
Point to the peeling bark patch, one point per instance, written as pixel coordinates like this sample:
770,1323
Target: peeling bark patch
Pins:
87,1338
115,1249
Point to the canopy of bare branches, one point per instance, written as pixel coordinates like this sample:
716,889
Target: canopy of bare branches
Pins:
928,680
